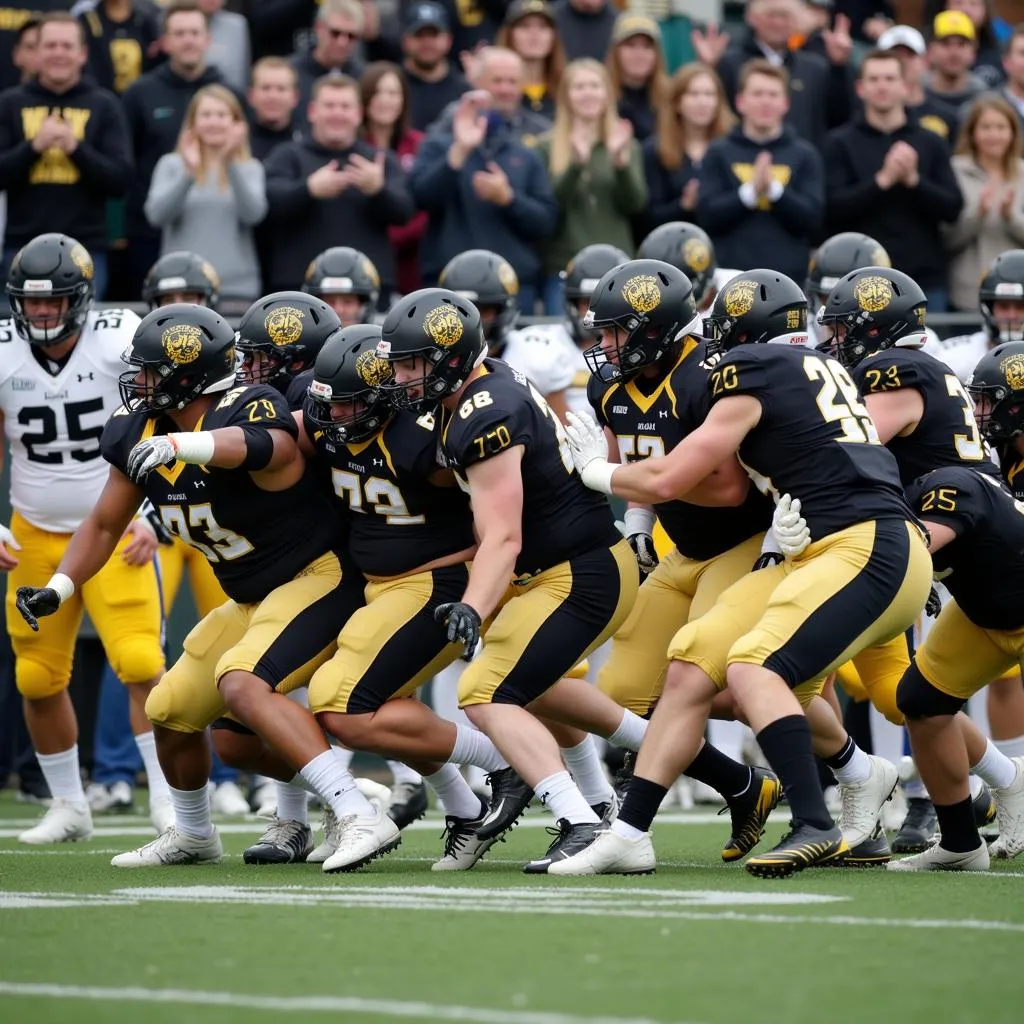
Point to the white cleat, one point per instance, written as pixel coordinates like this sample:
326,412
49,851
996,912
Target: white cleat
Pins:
330,840
227,799
935,858
161,814
609,854
462,849
1010,816
361,839
62,823
173,847
862,802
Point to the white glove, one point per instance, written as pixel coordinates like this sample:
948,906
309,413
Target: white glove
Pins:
7,538
7,545
148,454
589,448
789,527
638,529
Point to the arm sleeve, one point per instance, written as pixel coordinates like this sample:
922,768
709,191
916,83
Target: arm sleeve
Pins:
967,226
432,179
719,205
937,193
287,192
630,188
16,153
248,184
533,212
848,196
167,191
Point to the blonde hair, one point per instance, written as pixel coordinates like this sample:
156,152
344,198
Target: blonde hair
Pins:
230,100
671,130
965,143
560,153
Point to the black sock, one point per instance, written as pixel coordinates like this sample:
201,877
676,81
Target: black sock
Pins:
786,744
641,804
842,758
958,828
857,721
719,771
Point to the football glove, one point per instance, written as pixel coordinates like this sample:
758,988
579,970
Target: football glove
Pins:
933,605
463,624
35,602
789,527
148,454
148,512
638,529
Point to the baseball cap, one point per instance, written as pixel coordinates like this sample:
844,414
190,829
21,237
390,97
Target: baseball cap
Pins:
953,23
902,35
426,15
629,25
520,9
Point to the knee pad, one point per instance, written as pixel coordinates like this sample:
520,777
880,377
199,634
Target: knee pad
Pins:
626,693
137,659
36,680
918,698
885,699
162,710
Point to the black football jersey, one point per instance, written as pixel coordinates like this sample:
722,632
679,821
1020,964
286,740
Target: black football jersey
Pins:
1011,464
562,517
295,390
255,540
650,416
983,568
398,520
815,439
947,434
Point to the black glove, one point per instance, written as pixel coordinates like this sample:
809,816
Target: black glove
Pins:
643,547
163,535
933,605
768,558
463,624
35,602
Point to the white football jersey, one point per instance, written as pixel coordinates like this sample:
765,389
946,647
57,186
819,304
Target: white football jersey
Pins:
545,354
54,422
961,354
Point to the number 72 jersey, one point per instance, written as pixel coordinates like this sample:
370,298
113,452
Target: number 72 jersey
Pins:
54,420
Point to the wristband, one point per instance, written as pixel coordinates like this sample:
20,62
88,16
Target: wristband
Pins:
639,520
597,475
195,447
62,585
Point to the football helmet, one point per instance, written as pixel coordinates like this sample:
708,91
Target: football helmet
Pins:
757,307
837,257
280,336
579,279
51,266
181,272
443,329
872,309
178,353
1003,282
997,387
689,249
342,270
490,283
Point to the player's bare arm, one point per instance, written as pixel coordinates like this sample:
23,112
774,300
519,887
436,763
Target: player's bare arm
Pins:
896,413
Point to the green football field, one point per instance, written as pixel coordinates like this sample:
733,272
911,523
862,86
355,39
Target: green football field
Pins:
697,942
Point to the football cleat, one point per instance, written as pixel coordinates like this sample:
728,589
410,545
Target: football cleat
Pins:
161,813
462,848
227,799
803,847
607,812
749,812
282,842
919,828
935,858
408,803
360,839
63,822
1010,815
874,852
608,854
510,796
329,825
861,802
114,799
569,839
984,807
624,775
173,847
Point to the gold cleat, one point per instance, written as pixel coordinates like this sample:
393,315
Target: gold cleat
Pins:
804,847
750,812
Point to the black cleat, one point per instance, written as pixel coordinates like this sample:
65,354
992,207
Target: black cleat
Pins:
607,811
749,812
408,803
624,775
874,852
569,839
803,847
282,842
510,796
919,829
984,807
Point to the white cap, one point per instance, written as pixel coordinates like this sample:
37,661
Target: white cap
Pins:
902,35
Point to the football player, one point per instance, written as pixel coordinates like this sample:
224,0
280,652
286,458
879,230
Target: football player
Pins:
181,276
59,367
796,421
347,281
687,248
222,466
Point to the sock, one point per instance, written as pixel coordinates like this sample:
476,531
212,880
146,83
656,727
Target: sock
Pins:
403,773
457,799
1011,748
956,823
994,768
292,804
976,785
561,797
158,788
64,777
344,756
915,789
630,732
720,772
643,798
192,811
850,765
585,767
473,747
786,743
334,784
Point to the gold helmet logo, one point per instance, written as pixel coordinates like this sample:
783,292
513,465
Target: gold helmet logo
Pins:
371,271
507,277
308,276
284,325
873,294
1013,370
443,325
642,293
880,258
739,297
697,255
373,371
182,343
81,259
211,275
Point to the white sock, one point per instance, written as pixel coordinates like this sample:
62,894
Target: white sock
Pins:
334,784
158,789
975,785
64,777
630,732
626,831
915,789
343,754
457,799
995,768
192,811
292,803
564,800
403,773
857,769
585,767
473,747
1011,748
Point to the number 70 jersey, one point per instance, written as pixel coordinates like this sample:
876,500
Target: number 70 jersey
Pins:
54,421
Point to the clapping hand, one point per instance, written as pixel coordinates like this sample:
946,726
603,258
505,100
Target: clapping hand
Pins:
366,175
492,185
763,172
52,134
710,45
328,181
188,150
690,195
618,141
838,41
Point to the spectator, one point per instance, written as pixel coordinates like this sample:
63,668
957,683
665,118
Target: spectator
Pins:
636,67
273,99
210,193
815,21
63,149
762,195
695,113
229,49
333,186
990,173
338,28
475,22
434,82
891,179
385,97
951,54
529,30
585,27
596,171
868,18
15,15
123,38
277,26
988,61
483,187
25,55
1013,64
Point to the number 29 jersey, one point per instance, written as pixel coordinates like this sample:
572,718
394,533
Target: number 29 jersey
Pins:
54,420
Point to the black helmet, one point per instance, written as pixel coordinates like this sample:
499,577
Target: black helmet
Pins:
288,329
349,370
689,249
489,282
879,307
181,272
837,257
443,328
51,266
997,387
342,270
580,277
652,302
755,307
1003,282
189,351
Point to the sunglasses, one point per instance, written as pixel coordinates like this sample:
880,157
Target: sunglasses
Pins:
342,33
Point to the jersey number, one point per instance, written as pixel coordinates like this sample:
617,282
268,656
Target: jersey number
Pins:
840,402
222,545
564,451
640,447
969,446
385,497
46,417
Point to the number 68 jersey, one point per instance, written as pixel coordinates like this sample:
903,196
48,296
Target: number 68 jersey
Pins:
54,416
